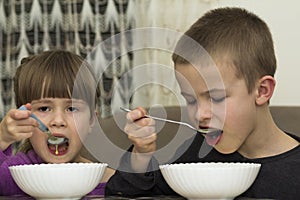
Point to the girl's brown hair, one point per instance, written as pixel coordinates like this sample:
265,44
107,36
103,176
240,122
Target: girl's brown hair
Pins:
233,36
56,74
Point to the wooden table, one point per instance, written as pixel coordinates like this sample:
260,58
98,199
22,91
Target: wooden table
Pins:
95,197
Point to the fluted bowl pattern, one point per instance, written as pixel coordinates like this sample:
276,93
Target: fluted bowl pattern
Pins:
58,181
215,180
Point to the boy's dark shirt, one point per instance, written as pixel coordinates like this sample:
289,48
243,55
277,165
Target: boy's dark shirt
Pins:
279,176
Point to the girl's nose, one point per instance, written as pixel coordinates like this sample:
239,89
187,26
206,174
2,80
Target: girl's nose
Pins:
58,120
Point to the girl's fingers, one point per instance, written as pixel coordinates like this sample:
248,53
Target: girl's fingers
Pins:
18,125
19,114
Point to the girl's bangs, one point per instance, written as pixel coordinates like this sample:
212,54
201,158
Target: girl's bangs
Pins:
76,86
56,87
56,76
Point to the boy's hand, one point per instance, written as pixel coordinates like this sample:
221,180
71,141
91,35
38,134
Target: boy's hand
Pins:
141,132
15,126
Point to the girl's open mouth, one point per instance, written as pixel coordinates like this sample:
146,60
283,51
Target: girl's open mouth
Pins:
59,149
212,138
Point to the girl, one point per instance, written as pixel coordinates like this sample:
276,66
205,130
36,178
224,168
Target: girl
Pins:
60,89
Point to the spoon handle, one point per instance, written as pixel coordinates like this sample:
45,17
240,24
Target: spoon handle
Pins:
163,119
42,126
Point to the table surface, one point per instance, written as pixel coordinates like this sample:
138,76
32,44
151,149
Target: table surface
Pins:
95,197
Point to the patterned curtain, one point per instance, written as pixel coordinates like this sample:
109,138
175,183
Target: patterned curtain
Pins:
32,26
88,27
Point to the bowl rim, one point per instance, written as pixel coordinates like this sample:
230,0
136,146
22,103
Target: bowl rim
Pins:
209,164
56,165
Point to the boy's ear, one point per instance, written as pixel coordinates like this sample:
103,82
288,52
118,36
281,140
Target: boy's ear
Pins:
265,89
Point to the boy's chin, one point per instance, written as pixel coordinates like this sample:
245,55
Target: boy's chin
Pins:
228,149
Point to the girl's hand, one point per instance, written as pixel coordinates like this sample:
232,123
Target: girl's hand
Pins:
16,126
141,132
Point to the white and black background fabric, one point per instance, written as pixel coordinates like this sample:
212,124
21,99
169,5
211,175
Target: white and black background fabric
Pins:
31,26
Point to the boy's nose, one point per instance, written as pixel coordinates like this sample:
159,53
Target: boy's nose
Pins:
203,113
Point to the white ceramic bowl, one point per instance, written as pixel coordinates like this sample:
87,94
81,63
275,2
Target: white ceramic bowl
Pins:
210,180
58,181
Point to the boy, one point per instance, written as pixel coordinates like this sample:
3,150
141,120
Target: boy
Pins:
231,95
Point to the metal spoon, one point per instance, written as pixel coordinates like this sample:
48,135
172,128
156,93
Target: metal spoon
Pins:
51,138
202,131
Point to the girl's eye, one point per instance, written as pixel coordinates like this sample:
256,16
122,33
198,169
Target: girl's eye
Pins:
73,109
44,109
217,100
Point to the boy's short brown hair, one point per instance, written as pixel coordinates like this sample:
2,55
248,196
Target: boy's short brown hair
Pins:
234,36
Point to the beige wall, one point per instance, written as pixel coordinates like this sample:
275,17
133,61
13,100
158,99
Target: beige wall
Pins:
283,18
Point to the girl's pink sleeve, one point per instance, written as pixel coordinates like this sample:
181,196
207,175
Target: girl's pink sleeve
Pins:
5,154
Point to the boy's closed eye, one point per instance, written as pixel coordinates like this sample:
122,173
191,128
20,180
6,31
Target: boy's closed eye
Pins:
218,99
214,98
189,99
217,95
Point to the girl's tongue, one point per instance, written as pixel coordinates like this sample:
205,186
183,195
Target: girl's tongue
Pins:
59,149
213,138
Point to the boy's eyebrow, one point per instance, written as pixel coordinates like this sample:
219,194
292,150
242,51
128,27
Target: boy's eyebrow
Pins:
186,94
214,90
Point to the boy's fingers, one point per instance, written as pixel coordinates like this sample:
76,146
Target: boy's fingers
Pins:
141,125
136,114
144,145
142,132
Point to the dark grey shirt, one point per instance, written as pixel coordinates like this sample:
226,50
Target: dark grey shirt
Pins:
279,176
